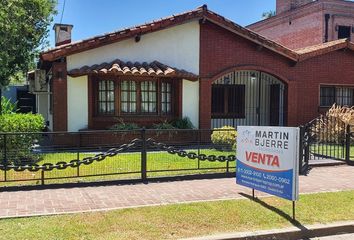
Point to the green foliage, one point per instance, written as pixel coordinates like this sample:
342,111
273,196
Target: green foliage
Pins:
121,125
268,14
18,146
224,138
23,30
164,125
7,107
184,123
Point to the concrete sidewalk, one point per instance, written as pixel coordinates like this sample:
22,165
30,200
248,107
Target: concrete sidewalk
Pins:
98,198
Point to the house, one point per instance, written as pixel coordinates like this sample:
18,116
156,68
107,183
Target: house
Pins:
303,23
197,64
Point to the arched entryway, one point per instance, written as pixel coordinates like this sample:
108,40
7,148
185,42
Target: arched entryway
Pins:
248,98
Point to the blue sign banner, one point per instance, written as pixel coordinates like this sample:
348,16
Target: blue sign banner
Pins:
267,160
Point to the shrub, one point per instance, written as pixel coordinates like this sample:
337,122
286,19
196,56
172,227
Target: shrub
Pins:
184,123
124,126
163,125
19,146
331,128
7,106
224,138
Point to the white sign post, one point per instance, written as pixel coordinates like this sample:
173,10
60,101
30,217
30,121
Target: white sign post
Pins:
267,160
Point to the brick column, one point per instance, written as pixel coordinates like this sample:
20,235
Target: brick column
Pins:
205,104
292,105
59,91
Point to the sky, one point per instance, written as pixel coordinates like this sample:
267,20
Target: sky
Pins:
96,17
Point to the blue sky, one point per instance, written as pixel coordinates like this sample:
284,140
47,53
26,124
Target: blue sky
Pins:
94,17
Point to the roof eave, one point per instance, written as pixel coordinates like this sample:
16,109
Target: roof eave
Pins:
288,53
316,53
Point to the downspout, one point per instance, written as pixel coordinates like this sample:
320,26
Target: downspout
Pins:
327,17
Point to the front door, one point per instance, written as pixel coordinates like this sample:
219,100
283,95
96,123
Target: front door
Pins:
260,100
274,105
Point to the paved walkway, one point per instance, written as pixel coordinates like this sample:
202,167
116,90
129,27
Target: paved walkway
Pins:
83,199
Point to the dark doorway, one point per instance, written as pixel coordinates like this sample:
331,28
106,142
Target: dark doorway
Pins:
344,32
274,105
248,97
26,102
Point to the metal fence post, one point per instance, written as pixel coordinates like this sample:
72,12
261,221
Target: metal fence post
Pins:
143,155
42,177
199,140
347,144
78,155
304,148
5,158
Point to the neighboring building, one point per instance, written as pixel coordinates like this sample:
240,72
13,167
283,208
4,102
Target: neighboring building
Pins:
303,23
19,95
196,64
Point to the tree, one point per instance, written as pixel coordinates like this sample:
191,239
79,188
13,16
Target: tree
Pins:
23,31
268,14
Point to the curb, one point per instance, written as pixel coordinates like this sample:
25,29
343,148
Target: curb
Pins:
292,233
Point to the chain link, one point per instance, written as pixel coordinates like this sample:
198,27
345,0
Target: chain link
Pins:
73,163
61,165
190,155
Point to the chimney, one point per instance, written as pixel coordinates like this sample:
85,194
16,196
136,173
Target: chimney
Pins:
287,5
62,33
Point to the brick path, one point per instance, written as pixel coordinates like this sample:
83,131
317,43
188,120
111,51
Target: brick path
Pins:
83,199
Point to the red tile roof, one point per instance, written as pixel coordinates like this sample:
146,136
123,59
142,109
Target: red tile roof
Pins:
201,13
316,50
118,67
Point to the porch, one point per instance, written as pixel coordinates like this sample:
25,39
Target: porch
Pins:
248,97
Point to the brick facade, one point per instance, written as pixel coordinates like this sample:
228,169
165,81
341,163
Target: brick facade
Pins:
59,94
305,23
226,47
223,51
286,5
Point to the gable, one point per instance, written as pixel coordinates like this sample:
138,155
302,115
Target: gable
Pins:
177,46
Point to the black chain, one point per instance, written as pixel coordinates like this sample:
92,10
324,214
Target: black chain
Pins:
190,155
73,163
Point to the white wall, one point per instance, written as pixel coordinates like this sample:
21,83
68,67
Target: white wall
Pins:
77,103
42,102
190,101
176,46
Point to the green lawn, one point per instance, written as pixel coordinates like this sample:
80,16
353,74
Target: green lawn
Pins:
129,164
183,220
335,151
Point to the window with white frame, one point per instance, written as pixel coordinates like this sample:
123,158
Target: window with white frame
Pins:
106,97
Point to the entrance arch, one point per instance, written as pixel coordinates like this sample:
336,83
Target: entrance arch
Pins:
248,97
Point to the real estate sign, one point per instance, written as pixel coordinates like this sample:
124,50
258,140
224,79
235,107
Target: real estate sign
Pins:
267,160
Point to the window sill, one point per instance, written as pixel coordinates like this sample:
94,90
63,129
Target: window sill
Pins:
132,117
228,116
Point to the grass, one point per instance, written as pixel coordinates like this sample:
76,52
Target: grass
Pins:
128,164
332,150
183,220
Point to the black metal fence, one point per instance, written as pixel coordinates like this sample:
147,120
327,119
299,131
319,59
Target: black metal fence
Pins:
326,139
62,157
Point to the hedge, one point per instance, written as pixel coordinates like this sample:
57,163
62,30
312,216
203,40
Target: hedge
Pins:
18,146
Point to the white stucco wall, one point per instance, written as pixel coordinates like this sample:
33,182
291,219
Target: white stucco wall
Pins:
77,103
177,46
190,101
42,105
